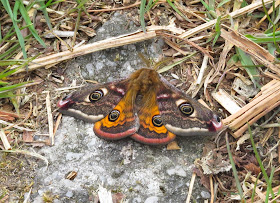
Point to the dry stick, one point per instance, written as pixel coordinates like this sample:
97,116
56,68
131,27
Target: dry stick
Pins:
267,102
15,126
240,132
5,141
262,55
253,103
226,100
191,188
202,69
90,48
212,189
50,118
187,42
57,123
234,14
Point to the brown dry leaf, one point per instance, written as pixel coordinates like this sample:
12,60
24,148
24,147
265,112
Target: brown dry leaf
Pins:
173,146
204,179
27,136
8,116
253,168
213,163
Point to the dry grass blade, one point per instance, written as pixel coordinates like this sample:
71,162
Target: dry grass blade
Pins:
50,118
34,154
90,48
5,141
234,14
226,101
191,188
262,55
15,126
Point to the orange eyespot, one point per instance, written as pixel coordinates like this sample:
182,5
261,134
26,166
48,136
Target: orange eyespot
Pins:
186,109
157,121
96,95
113,115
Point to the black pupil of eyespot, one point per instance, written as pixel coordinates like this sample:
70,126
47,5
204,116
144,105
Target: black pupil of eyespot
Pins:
186,108
96,95
157,121
218,119
114,115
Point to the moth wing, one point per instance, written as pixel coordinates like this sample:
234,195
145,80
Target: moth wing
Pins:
93,102
99,103
183,115
121,121
151,130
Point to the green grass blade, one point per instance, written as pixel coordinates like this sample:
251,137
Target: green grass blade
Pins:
9,51
46,15
26,18
205,5
2,83
19,35
254,189
150,5
234,171
222,3
217,30
269,186
248,65
177,11
166,68
10,62
264,39
12,87
260,161
142,13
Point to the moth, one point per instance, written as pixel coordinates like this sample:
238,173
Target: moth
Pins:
144,106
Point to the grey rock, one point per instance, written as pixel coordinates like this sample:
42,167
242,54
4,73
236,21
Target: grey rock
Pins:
140,172
152,199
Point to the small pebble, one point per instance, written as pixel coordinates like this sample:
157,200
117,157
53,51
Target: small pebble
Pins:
205,195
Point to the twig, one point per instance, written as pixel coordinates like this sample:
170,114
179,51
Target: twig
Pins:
211,188
34,154
90,48
57,123
234,14
5,141
202,69
50,118
191,188
259,53
265,101
15,126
